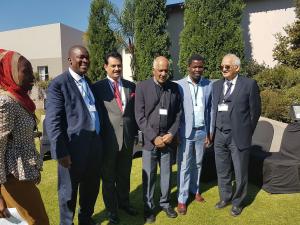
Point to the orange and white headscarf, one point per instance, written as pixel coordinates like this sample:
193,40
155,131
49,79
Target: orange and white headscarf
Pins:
9,80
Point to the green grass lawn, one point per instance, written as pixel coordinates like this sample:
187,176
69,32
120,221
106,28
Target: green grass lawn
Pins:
262,207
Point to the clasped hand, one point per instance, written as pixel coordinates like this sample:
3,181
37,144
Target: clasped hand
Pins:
162,141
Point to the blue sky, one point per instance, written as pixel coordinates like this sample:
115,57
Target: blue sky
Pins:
26,13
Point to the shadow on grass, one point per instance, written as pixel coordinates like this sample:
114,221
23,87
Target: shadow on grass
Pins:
136,199
136,202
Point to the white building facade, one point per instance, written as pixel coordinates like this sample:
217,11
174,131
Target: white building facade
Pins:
46,46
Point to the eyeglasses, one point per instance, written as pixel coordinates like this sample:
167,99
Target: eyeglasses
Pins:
227,67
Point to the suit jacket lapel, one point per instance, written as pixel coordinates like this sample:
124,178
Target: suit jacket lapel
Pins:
188,93
204,93
236,91
126,91
218,91
108,89
76,90
153,92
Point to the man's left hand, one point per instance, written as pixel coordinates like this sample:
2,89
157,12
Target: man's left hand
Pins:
167,138
207,142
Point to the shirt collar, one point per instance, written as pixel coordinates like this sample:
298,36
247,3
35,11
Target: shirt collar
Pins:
233,81
76,76
112,80
190,80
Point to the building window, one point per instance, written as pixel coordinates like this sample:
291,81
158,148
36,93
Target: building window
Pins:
43,72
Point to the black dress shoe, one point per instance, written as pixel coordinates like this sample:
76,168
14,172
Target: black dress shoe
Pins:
150,218
113,218
129,210
171,213
221,204
235,211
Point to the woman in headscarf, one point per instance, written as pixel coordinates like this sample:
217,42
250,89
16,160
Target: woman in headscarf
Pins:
20,163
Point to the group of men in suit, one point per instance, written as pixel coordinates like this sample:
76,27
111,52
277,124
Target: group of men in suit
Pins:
91,129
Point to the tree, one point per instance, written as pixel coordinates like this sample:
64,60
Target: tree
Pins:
287,50
212,29
151,38
122,24
100,37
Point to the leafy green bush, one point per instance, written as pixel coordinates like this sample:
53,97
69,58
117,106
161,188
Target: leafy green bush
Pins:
212,28
280,87
287,50
252,68
274,105
280,77
151,37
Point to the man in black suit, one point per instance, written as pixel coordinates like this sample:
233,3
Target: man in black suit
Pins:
73,127
119,130
236,110
157,112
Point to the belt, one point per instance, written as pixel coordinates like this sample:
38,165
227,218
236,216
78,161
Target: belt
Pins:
198,128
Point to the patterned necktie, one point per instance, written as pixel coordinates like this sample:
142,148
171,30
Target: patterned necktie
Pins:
118,95
227,94
94,114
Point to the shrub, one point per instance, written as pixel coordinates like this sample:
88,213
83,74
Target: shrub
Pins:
275,105
151,38
252,68
280,77
212,28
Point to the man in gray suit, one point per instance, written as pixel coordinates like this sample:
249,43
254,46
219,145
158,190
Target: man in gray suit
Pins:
119,131
236,110
194,131
157,112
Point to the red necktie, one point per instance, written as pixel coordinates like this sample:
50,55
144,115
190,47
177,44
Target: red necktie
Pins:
118,95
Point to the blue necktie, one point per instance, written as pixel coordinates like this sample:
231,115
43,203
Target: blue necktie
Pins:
91,101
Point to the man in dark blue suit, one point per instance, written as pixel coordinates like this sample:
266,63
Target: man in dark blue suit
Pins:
73,127
236,109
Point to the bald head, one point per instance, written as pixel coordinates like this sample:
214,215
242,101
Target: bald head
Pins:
75,48
158,60
79,59
160,69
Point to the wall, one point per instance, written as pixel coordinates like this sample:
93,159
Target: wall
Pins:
261,21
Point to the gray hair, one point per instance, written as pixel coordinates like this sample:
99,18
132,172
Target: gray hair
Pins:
157,60
236,61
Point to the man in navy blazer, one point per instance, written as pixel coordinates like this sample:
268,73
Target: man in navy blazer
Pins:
73,127
236,110
194,131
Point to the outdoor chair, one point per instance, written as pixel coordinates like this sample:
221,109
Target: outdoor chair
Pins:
260,150
281,170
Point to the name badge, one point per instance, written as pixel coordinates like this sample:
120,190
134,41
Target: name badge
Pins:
163,112
92,108
198,108
222,107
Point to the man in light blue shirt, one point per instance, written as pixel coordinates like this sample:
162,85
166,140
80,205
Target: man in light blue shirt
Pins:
194,131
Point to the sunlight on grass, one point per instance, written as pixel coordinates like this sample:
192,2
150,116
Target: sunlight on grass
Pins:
262,209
